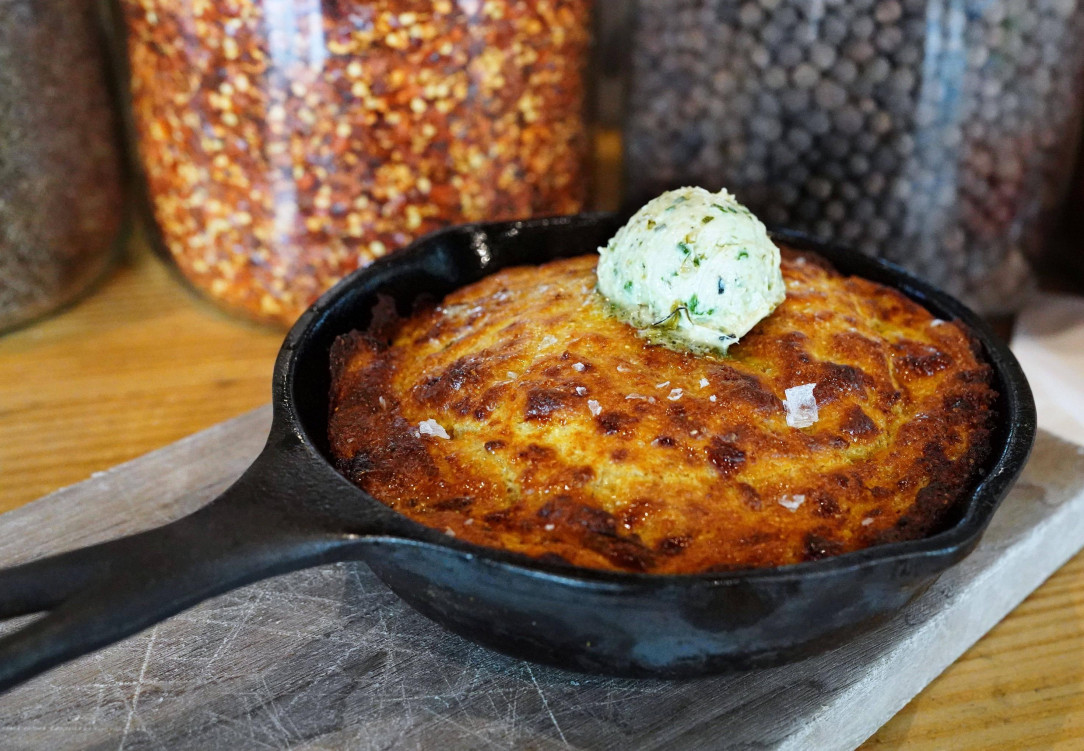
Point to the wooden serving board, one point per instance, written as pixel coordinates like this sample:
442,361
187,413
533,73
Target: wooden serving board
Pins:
329,658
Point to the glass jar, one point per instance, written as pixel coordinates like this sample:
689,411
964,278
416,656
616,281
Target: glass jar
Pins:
61,185
287,143
937,133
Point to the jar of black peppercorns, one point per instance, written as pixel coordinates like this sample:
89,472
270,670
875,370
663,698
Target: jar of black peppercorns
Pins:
61,182
937,134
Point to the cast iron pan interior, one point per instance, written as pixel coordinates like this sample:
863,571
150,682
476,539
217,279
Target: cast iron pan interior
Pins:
291,510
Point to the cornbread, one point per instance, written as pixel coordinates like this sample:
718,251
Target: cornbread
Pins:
519,414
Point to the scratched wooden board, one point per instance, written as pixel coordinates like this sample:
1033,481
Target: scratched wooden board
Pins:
329,658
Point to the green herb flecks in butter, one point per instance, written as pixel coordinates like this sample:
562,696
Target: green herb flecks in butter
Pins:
723,280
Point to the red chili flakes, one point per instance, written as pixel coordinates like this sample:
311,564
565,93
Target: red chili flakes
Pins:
285,148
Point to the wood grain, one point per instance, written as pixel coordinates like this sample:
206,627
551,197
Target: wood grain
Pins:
328,657
1021,686
142,363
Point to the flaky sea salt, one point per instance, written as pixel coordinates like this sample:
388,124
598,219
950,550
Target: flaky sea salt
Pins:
703,382
662,385
433,428
675,394
580,390
711,398
548,340
800,406
594,406
578,367
792,502
867,521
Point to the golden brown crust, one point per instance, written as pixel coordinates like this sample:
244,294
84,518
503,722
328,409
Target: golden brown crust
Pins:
570,436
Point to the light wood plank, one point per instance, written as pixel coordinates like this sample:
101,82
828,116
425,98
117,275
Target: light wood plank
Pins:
141,363
214,670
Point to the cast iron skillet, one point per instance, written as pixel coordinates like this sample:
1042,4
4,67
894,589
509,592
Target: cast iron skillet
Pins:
291,509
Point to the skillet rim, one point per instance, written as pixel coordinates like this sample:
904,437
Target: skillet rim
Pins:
937,552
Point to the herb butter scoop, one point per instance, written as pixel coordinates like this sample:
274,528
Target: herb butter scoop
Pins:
693,270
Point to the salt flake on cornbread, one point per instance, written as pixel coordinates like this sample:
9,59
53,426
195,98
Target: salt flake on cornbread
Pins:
692,270
801,405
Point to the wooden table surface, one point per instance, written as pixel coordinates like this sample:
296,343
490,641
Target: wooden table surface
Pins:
142,362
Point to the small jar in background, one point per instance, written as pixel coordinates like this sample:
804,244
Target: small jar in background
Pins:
286,144
938,134
61,182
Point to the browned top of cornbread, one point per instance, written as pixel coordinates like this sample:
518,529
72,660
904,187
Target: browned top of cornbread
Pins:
569,435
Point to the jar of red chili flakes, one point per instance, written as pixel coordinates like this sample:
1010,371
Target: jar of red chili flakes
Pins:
287,143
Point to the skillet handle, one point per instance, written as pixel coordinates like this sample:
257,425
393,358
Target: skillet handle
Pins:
259,527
